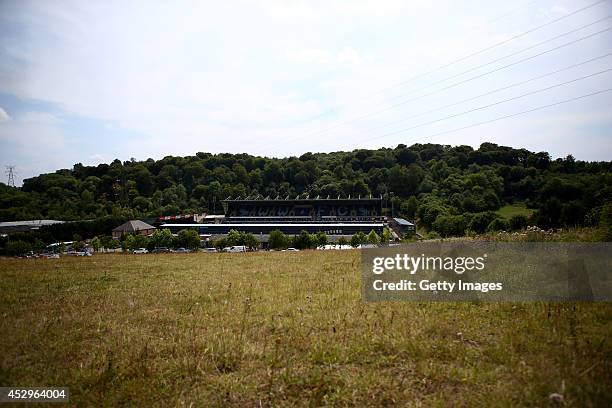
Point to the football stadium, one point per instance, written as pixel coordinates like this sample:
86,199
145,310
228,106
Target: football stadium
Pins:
336,217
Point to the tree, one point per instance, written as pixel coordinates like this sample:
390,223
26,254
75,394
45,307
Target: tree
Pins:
480,222
141,241
373,238
428,181
189,238
343,241
234,238
320,239
250,241
358,239
108,242
18,248
95,244
409,208
303,241
385,238
278,240
161,238
78,245
129,243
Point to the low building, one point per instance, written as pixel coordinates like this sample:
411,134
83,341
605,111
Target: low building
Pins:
133,227
403,227
11,227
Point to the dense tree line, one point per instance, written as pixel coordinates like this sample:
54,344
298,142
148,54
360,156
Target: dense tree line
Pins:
447,189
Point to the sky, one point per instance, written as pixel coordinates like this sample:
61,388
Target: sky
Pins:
88,82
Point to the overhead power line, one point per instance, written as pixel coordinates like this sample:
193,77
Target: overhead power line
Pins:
465,80
492,104
522,34
416,98
488,48
495,19
537,108
508,55
503,88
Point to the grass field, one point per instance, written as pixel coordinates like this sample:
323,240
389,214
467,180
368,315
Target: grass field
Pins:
508,211
283,329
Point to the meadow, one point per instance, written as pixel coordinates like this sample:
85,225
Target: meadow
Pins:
510,210
283,329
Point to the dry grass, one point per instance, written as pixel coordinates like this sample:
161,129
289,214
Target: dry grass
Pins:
283,329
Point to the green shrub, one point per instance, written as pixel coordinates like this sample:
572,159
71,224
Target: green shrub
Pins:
498,224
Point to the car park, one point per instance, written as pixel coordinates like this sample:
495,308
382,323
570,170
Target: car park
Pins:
141,251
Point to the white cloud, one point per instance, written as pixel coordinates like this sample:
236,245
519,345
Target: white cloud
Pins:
558,9
34,143
224,76
349,56
4,116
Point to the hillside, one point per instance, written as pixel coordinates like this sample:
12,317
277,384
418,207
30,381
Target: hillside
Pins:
447,189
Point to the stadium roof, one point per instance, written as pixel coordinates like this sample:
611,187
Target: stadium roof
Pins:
30,223
403,222
260,198
133,226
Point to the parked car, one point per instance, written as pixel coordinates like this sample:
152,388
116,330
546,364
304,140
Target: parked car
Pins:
160,250
181,250
209,249
292,249
235,248
141,251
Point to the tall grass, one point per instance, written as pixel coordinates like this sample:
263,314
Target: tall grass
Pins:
282,329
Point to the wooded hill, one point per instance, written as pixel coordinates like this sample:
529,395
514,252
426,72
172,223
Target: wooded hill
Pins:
446,189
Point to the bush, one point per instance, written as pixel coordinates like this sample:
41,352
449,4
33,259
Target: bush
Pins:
189,238
78,245
432,235
95,244
161,238
250,241
320,239
343,241
498,224
304,241
605,222
18,248
517,222
373,238
247,239
385,237
480,221
278,240
358,239
450,225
